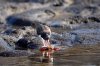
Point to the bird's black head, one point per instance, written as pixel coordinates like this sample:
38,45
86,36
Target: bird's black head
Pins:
45,35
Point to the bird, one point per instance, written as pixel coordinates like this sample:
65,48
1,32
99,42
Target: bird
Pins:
44,31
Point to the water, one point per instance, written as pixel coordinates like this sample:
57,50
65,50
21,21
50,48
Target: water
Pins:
69,57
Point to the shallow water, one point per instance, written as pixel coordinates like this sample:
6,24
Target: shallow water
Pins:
70,57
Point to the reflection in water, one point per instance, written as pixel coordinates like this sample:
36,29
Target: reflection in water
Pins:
45,58
47,54
40,64
60,59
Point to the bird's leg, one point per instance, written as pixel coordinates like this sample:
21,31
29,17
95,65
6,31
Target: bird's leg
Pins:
48,43
43,54
47,54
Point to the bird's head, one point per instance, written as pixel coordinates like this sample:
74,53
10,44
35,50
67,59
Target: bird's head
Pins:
45,36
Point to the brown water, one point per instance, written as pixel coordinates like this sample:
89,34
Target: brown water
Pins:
78,56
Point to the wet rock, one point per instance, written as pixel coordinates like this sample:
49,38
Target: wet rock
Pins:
72,9
9,39
94,19
19,32
32,45
58,3
14,1
69,2
84,37
4,45
28,32
55,42
44,1
88,36
86,13
71,39
91,8
21,44
11,8
30,16
15,53
10,31
38,41
32,42
77,22
65,39
75,39
18,21
29,42
57,24
50,12
56,36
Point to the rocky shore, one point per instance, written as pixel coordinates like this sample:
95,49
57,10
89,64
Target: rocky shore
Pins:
72,22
